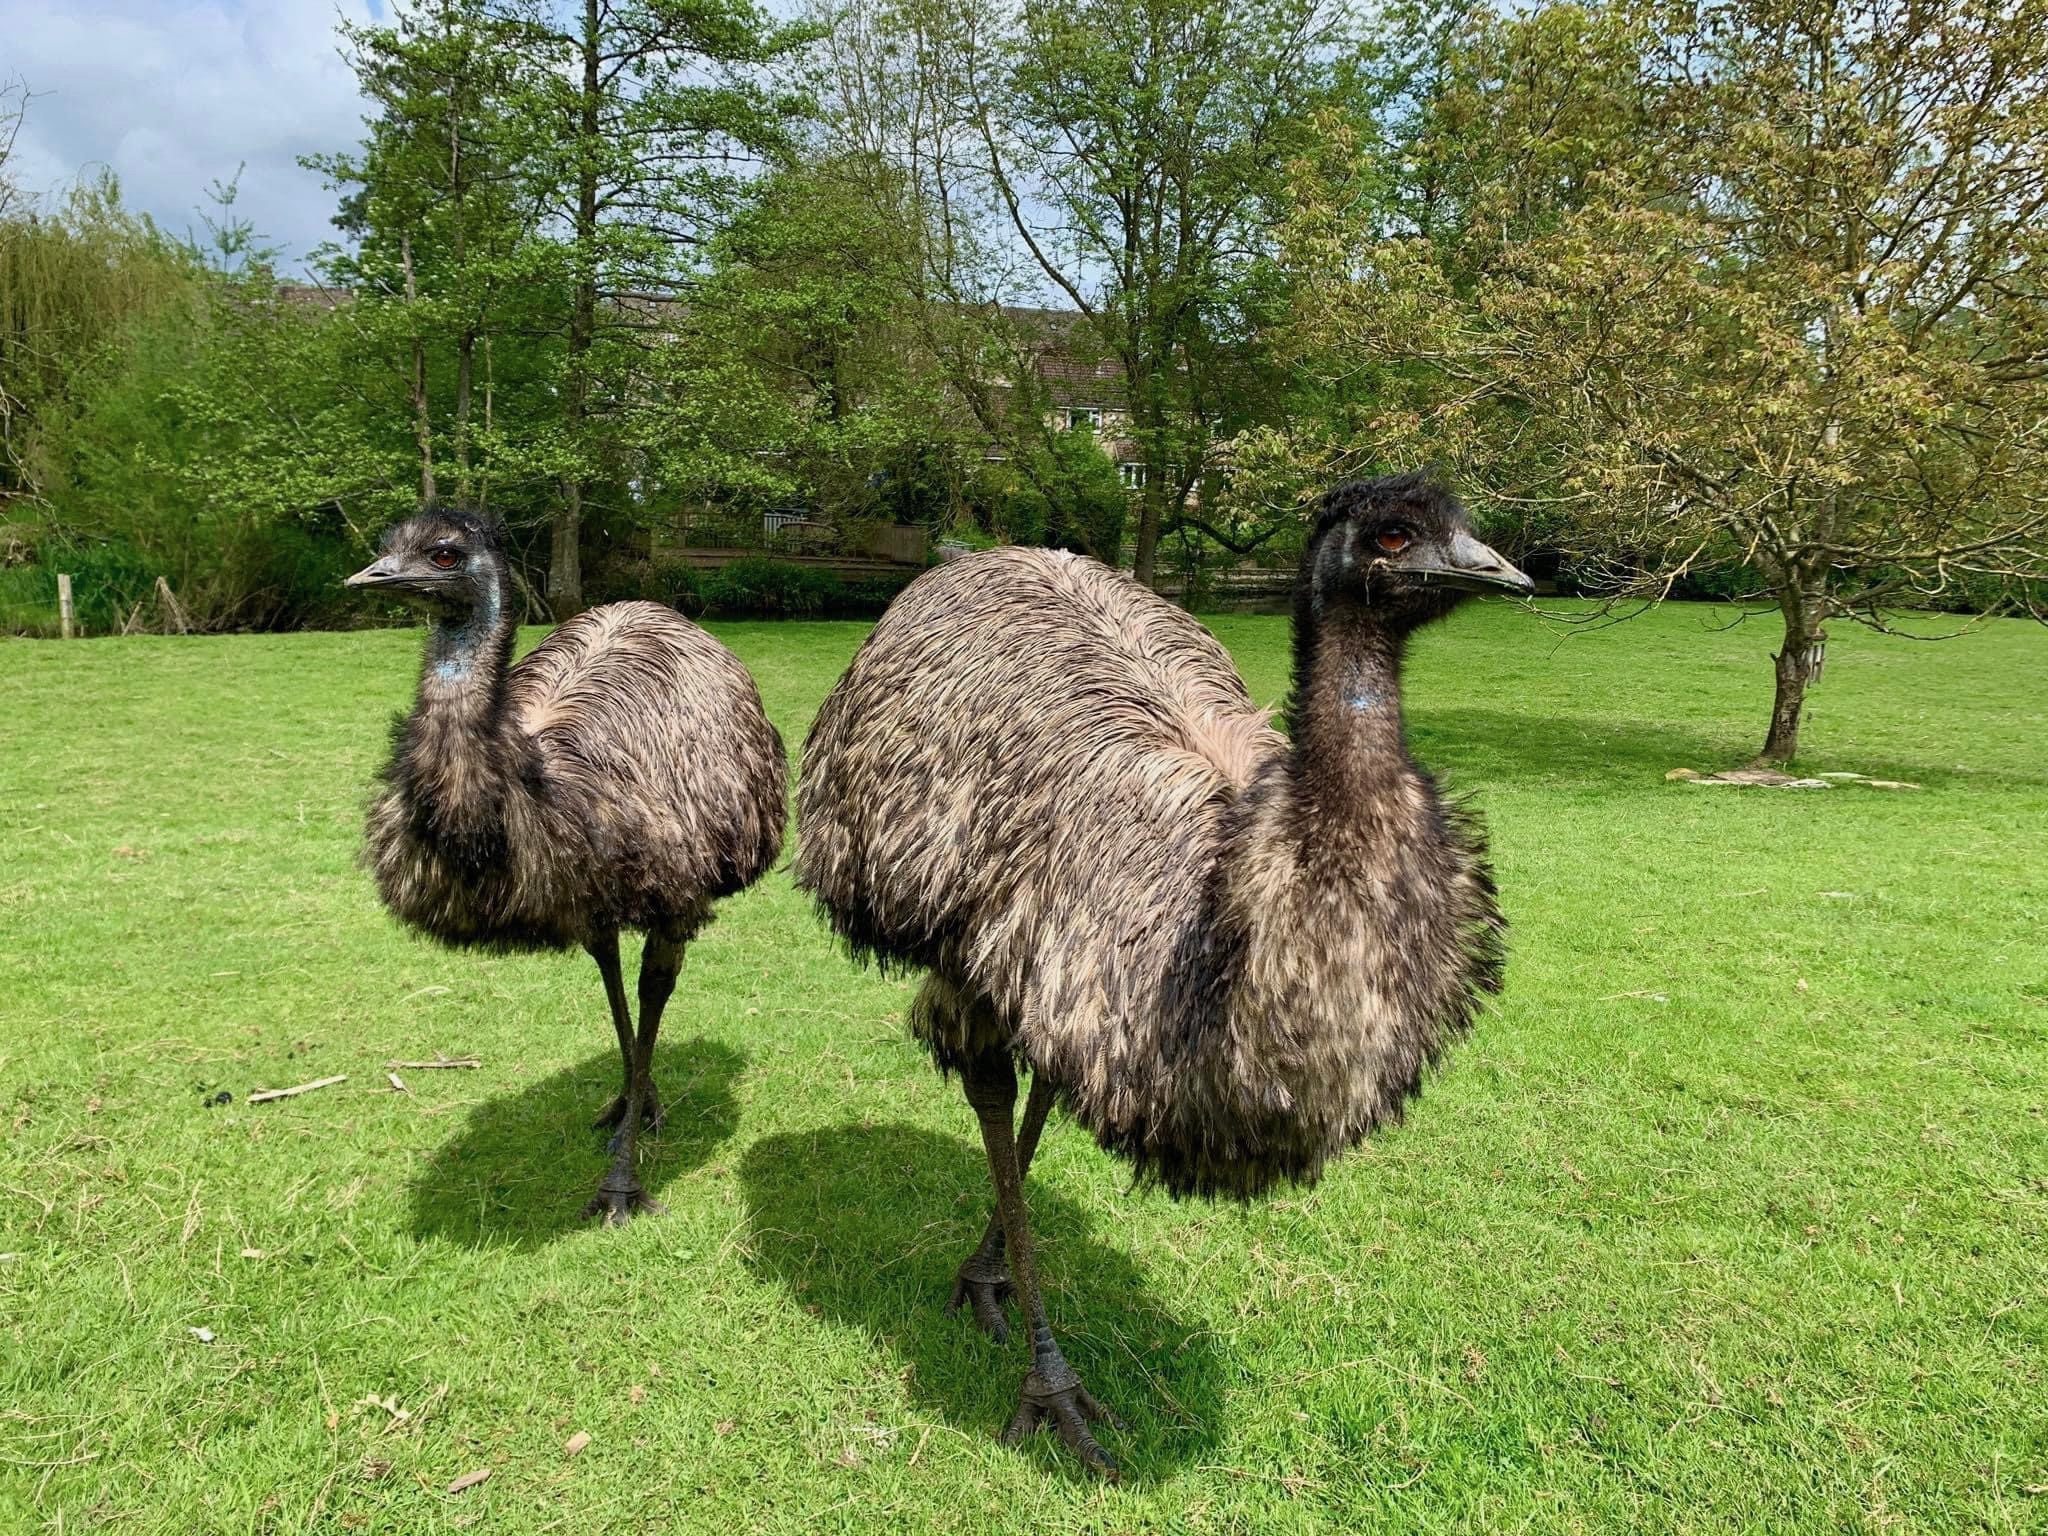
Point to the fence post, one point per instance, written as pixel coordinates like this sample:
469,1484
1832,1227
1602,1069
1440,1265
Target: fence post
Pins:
66,615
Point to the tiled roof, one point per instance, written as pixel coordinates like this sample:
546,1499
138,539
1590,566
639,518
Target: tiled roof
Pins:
1065,360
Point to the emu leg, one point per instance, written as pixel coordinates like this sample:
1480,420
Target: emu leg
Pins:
1052,1392
604,949
619,1197
983,1282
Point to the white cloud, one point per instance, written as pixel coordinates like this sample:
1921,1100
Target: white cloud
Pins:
176,94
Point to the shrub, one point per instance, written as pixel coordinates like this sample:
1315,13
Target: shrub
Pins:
769,589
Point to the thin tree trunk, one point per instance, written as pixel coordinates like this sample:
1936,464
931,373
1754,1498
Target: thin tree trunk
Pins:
465,371
465,349
483,494
565,563
1798,664
1145,429
422,418
1145,551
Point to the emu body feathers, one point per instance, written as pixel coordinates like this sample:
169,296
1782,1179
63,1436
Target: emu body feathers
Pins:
623,775
1232,956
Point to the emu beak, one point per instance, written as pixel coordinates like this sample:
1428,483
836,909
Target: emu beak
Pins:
1476,567
382,572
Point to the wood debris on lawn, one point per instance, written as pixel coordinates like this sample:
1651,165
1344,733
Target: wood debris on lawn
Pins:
577,1443
1760,778
1770,778
397,1082
469,1479
265,1095
438,1064
203,1335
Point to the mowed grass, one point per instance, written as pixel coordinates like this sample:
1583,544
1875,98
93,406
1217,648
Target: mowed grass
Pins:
1732,1215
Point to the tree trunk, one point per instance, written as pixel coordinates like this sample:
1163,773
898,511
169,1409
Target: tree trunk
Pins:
465,372
1145,551
465,347
565,553
483,491
422,419
565,564
1799,663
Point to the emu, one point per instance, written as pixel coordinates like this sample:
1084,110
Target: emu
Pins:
1228,956
623,775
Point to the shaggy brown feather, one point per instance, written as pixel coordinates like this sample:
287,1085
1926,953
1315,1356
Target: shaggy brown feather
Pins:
1234,957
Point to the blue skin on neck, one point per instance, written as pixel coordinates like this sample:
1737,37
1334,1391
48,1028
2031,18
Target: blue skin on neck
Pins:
457,647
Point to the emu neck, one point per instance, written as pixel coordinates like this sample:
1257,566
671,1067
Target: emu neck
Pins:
1350,753
467,654
458,757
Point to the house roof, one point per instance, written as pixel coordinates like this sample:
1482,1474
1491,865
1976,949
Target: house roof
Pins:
1065,359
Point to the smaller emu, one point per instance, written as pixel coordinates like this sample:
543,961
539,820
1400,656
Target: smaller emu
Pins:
1230,956
624,775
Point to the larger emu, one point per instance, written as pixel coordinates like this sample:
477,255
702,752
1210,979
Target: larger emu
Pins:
624,775
1230,957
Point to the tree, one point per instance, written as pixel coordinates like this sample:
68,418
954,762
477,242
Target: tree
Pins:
444,199
1794,319
659,110
798,369
1131,153
74,277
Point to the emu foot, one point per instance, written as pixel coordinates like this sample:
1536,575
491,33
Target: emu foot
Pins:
1061,1400
652,1117
619,1199
984,1285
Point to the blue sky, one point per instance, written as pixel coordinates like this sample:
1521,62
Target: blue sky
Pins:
175,94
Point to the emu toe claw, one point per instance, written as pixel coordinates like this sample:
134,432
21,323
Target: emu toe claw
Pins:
1070,1410
984,1286
620,1203
613,1119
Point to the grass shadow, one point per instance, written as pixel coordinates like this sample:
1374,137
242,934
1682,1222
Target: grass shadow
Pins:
520,1171
1617,751
866,1225
1476,745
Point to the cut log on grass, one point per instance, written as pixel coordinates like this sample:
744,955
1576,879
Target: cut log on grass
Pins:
265,1095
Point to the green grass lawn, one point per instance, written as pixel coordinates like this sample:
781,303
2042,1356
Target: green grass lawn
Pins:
1732,1215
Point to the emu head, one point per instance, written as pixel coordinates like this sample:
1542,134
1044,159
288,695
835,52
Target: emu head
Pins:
1401,549
446,559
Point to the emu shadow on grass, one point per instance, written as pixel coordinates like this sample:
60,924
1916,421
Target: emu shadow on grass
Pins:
510,1177
868,1223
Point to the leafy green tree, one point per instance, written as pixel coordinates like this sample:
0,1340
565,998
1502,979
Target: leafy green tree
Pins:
798,369
73,280
1136,148
657,112
1123,159
444,199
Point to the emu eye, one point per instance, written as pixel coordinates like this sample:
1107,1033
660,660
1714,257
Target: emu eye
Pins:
1394,540
444,559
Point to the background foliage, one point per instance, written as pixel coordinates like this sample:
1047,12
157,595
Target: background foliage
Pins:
1723,299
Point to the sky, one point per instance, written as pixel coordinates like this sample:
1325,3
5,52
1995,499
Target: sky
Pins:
174,94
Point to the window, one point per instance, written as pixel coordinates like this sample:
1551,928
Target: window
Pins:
1132,475
1083,417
